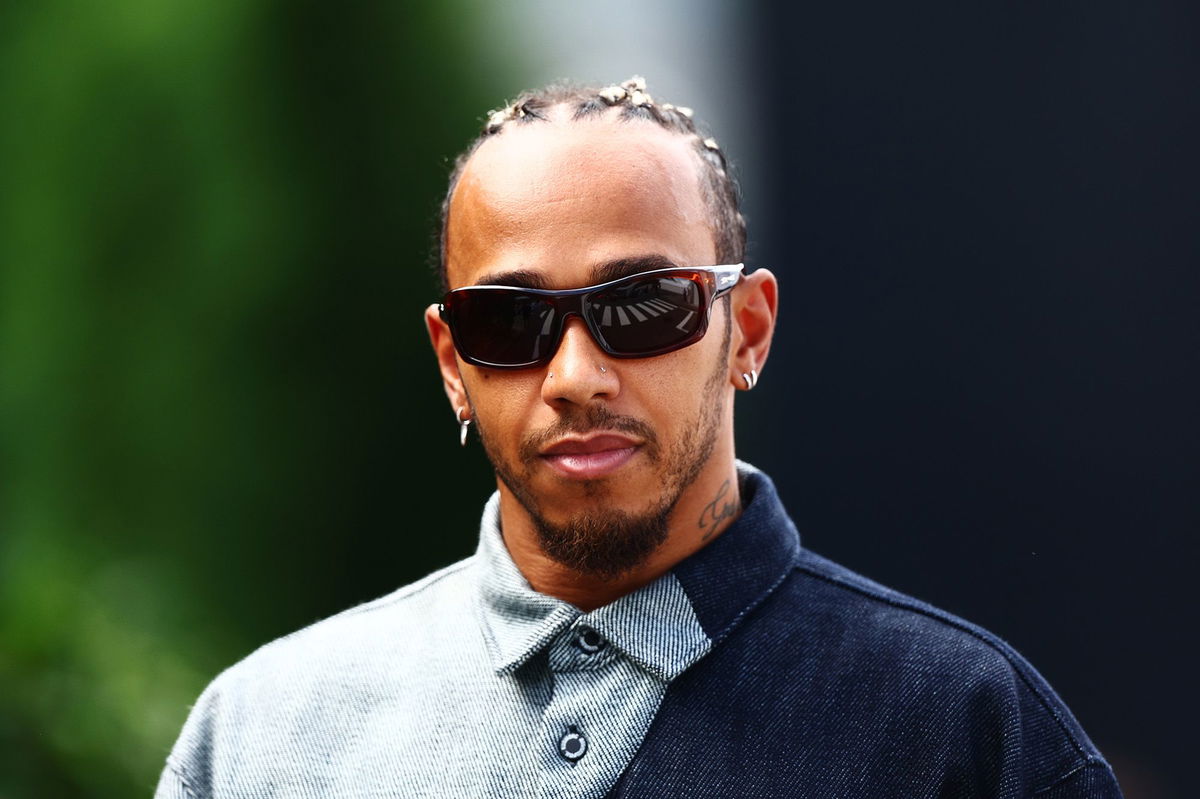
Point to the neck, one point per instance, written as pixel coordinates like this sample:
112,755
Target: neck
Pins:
705,509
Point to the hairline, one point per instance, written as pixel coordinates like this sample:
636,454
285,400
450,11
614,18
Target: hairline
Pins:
709,194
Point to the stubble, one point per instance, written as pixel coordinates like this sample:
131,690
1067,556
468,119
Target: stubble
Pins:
605,542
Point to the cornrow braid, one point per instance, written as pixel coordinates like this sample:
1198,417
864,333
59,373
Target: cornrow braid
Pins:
720,189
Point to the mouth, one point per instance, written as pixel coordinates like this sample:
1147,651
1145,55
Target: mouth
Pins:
591,457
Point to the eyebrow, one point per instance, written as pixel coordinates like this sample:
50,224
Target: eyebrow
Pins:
624,267
517,278
601,273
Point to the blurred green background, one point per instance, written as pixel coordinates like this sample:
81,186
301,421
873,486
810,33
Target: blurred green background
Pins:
218,411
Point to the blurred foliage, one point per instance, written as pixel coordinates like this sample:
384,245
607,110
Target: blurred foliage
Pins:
215,386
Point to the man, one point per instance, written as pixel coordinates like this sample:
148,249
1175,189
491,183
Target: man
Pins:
639,618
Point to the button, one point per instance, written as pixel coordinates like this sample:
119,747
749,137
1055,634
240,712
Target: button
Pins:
589,641
573,745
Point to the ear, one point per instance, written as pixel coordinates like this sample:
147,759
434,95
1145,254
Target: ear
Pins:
754,304
447,358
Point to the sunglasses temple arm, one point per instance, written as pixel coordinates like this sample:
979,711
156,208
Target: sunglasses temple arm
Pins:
726,278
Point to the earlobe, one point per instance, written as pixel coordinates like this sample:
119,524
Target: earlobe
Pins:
443,349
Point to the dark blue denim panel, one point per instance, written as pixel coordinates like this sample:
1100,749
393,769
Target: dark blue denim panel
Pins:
1093,781
729,576
837,687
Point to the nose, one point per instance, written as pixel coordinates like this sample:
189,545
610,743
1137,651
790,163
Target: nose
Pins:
580,371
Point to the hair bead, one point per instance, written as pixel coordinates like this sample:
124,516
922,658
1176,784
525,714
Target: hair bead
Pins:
613,94
496,119
636,83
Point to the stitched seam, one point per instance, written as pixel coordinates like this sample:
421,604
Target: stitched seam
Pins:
962,628
1085,764
411,590
376,604
753,604
708,643
181,774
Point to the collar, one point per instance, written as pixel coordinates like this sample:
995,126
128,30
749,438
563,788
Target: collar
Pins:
666,625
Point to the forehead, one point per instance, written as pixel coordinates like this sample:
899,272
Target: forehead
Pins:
559,197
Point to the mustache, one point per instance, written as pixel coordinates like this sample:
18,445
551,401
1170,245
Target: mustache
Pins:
587,420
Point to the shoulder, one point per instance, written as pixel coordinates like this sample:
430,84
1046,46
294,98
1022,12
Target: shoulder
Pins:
885,613
964,676
889,619
400,617
308,679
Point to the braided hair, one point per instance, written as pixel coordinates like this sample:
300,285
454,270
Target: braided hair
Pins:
718,186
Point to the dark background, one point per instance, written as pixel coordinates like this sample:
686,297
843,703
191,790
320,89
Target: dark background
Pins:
983,391
220,419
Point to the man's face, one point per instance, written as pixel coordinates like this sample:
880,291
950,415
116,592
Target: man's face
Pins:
596,449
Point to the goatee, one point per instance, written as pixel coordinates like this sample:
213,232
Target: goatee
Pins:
602,542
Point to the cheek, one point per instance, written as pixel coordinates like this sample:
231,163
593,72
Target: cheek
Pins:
502,403
673,387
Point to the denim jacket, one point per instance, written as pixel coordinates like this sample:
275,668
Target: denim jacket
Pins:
753,668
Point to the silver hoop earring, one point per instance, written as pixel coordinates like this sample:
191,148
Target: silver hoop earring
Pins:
751,379
463,424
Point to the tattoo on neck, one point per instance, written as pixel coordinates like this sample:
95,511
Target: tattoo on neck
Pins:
717,511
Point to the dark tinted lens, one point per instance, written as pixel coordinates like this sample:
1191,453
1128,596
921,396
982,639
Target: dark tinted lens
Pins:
502,327
645,314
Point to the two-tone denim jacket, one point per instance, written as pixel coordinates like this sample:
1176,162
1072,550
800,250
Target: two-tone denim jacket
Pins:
752,668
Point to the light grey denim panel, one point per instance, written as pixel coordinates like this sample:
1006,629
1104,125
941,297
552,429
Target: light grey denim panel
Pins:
172,786
465,683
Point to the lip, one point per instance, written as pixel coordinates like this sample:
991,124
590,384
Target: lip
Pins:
590,458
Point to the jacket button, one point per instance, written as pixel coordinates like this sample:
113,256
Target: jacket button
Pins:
589,641
572,746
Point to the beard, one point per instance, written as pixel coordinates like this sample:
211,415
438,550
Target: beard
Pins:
606,542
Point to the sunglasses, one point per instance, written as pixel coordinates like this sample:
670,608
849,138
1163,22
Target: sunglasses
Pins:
650,313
